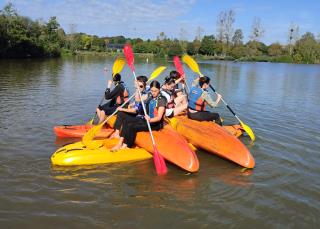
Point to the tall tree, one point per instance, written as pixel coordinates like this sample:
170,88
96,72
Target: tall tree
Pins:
162,36
225,23
307,49
293,36
199,33
237,38
257,30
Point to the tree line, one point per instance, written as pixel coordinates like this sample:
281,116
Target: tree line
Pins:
22,37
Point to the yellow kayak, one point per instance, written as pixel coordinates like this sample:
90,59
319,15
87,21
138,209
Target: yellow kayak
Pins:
78,154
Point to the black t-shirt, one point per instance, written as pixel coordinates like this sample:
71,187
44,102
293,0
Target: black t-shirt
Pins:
112,95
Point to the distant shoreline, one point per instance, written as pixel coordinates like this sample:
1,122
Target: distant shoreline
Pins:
278,59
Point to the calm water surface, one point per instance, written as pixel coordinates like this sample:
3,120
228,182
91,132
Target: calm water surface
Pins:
280,102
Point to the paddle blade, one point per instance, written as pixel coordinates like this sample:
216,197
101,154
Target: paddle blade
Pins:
159,162
178,65
248,130
118,66
90,122
192,64
87,139
128,53
156,73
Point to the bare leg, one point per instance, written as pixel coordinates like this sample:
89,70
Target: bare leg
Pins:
116,134
101,116
118,146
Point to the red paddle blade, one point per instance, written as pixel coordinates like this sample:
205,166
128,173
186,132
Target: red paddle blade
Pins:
178,65
128,53
159,163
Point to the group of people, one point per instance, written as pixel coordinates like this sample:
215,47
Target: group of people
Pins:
167,100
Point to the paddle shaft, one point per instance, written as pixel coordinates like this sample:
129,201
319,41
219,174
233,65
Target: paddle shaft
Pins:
225,104
145,113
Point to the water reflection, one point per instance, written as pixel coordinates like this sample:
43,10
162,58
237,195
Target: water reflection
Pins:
279,102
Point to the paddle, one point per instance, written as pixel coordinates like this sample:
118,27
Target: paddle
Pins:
159,162
195,67
179,68
89,136
116,68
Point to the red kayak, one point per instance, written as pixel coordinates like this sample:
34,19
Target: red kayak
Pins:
79,131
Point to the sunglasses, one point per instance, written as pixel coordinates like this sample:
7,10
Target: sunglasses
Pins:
141,86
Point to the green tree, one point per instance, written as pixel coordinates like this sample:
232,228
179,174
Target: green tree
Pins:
208,45
307,49
237,38
191,48
275,49
175,49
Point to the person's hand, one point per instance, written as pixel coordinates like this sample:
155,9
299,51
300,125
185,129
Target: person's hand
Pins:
109,83
147,117
183,76
120,109
219,97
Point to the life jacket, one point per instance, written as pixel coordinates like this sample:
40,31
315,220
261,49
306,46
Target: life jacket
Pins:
152,106
123,97
138,105
196,102
170,98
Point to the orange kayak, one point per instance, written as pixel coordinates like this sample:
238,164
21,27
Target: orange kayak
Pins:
79,131
215,139
171,145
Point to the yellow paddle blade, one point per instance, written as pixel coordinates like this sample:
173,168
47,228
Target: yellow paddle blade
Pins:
88,137
248,130
118,66
90,122
192,64
156,73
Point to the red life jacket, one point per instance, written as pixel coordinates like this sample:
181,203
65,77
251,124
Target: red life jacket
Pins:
123,97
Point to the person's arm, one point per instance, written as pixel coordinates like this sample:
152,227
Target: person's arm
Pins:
195,82
178,80
111,94
206,96
161,111
131,109
162,103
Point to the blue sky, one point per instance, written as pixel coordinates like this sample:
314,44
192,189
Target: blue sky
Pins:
147,18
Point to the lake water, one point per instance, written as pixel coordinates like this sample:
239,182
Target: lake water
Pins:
280,102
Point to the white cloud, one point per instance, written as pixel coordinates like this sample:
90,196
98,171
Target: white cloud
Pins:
96,16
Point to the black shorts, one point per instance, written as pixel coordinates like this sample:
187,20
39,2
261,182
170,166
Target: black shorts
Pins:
108,110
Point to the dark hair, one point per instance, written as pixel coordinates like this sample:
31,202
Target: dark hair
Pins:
203,80
117,77
169,80
143,79
174,74
155,84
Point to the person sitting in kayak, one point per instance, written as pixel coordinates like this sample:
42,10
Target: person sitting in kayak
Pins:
134,109
177,79
199,98
117,97
175,104
155,108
